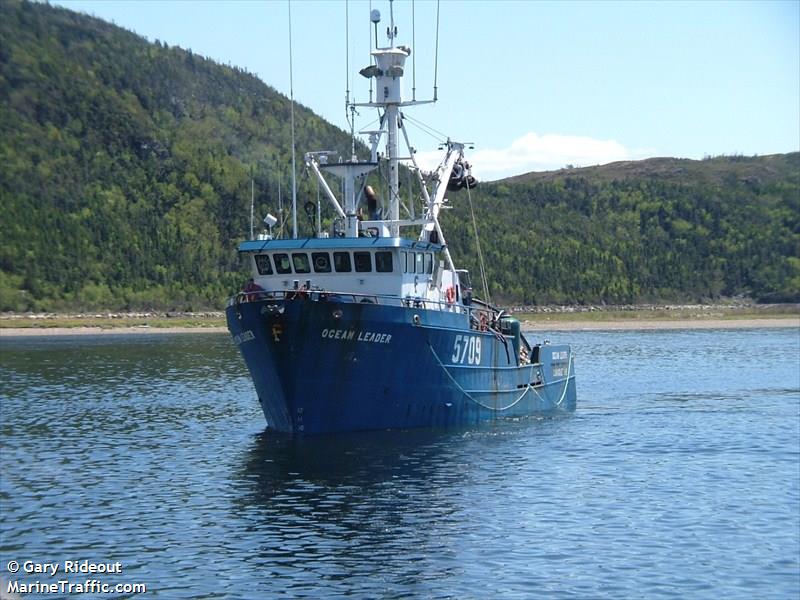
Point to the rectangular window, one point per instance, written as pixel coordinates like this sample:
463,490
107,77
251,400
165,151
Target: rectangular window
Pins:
428,263
404,261
383,262
363,261
263,264
301,264
420,268
322,262
282,264
341,262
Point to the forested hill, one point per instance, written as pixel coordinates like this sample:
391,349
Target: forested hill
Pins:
125,183
125,175
662,229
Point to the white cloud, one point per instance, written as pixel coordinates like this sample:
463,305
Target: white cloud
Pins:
533,152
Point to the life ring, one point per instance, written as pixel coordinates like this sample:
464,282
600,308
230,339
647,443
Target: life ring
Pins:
450,294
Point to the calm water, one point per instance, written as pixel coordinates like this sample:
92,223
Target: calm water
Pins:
679,476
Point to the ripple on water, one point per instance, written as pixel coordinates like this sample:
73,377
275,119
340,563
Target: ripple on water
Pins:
679,476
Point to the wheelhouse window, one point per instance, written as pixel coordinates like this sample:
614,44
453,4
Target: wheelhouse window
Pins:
301,264
341,262
428,263
282,264
420,268
321,261
363,261
263,264
383,262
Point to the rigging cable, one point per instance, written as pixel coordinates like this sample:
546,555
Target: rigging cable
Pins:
414,55
291,95
528,387
351,117
436,56
426,126
427,129
478,246
371,58
346,59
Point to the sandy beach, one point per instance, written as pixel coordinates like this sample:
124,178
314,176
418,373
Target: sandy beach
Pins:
643,324
556,325
44,331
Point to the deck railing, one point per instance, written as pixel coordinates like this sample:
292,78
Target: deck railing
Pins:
476,312
482,316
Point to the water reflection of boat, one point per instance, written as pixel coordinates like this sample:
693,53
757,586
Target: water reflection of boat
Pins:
351,511
364,328
359,459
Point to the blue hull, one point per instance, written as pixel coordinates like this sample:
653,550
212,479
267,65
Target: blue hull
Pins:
321,366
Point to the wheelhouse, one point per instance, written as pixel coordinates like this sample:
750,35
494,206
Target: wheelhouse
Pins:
396,267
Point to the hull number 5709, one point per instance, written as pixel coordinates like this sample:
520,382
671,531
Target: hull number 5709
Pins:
467,349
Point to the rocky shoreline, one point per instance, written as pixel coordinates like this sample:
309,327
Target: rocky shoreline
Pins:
527,326
728,307
111,315
700,310
661,324
534,318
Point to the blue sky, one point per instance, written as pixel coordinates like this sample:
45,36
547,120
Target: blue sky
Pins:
535,85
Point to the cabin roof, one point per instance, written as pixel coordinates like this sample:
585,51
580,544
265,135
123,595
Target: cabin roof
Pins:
361,243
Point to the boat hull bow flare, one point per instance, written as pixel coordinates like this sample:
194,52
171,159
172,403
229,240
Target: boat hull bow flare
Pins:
332,364
362,327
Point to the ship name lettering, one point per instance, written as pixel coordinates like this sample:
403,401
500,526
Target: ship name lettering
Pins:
245,336
374,336
338,334
360,336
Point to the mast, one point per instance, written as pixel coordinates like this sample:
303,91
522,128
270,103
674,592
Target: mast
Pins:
392,112
387,68
280,204
291,94
390,63
252,200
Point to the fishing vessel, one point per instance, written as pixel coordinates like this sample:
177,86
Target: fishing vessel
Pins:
371,325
